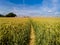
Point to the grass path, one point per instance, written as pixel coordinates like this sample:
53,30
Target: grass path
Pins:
32,36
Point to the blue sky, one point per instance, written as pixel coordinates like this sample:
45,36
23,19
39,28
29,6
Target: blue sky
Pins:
31,7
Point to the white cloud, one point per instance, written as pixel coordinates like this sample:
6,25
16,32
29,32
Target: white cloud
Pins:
47,9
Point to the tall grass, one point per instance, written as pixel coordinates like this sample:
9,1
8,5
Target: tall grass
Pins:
47,31
14,31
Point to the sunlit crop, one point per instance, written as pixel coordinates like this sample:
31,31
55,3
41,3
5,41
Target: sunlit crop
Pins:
47,31
14,31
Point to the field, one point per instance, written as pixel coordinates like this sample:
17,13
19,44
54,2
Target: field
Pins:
14,31
30,31
47,31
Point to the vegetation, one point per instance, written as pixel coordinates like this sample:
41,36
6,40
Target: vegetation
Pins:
11,15
47,31
1,15
8,15
14,31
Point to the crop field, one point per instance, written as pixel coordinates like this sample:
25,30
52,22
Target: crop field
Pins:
30,31
47,31
14,31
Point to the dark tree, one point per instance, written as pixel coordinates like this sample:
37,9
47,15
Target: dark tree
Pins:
1,15
11,15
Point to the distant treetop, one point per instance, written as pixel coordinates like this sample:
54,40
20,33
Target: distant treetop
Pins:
11,15
8,15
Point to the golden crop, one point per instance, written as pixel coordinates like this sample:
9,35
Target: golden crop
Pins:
47,31
14,31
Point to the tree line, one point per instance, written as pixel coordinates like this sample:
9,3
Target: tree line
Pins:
8,15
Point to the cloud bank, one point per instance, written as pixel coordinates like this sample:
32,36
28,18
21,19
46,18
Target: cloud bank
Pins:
46,8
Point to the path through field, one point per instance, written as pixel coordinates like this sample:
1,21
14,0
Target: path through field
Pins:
32,36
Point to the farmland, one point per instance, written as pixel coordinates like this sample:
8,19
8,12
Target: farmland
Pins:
18,31
47,31
14,31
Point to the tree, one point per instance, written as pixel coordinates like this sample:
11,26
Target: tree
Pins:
11,15
1,15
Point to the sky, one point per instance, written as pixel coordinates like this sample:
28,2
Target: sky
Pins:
30,7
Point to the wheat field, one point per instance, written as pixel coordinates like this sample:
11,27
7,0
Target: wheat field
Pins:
30,31
47,31
14,31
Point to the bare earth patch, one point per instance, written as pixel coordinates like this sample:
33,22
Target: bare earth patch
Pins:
32,36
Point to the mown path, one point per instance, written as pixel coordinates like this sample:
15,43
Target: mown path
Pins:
32,36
